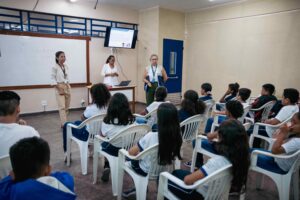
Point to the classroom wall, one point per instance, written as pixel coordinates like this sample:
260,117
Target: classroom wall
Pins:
147,45
251,42
31,99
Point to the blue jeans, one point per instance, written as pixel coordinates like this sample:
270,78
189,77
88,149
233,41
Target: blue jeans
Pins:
210,122
81,134
268,163
180,192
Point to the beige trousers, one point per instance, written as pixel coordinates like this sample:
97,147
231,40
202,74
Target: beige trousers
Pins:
63,98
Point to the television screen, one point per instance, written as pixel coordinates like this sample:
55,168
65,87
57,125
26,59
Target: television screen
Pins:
120,38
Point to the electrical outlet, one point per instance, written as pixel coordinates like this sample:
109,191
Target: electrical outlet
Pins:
44,103
82,102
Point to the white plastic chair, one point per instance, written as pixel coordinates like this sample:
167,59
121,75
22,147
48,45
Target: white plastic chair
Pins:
217,185
150,117
209,107
140,182
282,181
125,139
93,126
189,128
5,166
269,141
266,108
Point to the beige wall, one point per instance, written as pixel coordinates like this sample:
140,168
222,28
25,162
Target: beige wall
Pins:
251,42
31,99
147,45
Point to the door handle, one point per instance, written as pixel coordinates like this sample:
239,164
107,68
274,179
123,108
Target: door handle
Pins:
174,77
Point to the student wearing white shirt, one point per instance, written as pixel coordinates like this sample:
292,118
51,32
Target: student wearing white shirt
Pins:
155,75
60,81
11,128
118,118
287,142
110,72
232,149
290,107
100,98
160,97
168,138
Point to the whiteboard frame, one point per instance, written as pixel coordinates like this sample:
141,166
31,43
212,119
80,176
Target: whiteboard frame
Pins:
30,34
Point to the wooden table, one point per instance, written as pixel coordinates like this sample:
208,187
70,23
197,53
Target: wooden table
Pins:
128,91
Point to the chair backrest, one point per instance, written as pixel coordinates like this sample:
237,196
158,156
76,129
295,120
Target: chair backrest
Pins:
190,127
246,110
296,165
130,136
217,184
5,166
155,169
267,109
247,125
209,106
93,125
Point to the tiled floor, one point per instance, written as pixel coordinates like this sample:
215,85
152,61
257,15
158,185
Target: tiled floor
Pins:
49,129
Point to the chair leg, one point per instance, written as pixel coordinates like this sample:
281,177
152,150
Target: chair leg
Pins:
69,141
295,185
259,180
177,163
114,177
141,185
95,166
120,182
83,157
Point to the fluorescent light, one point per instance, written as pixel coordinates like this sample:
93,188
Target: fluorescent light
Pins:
211,0
72,1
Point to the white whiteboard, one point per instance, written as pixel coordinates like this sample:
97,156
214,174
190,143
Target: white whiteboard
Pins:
27,60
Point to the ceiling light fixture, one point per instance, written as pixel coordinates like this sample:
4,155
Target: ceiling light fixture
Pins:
72,1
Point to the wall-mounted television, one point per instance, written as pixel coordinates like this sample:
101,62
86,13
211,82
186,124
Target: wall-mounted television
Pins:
120,38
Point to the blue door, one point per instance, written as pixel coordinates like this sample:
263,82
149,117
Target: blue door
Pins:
172,62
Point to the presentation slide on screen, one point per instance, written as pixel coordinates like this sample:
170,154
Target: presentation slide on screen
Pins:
121,38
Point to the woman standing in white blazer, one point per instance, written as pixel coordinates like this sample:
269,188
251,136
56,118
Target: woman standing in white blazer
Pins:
61,83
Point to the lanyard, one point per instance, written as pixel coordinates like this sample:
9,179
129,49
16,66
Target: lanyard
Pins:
153,72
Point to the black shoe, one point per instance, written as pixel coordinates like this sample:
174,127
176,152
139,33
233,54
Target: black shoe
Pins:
128,193
105,175
65,160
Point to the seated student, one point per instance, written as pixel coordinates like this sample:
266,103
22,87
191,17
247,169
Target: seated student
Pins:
287,142
267,92
118,117
100,98
31,177
289,102
11,128
243,96
231,92
161,93
232,148
191,105
233,110
168,139
206,92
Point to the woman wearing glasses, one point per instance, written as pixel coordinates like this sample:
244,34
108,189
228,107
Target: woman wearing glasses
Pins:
155,75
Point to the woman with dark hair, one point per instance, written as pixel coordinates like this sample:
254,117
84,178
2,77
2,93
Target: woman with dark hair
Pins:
60,80
191,105
110,72
231,92
168,139
118,117
100,98
232,148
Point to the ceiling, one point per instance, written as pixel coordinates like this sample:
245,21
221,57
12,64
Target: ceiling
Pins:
180,5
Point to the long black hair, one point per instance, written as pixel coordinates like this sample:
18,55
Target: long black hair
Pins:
169,135
57,54
100,95
192,104
109,57
233,145
118,109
